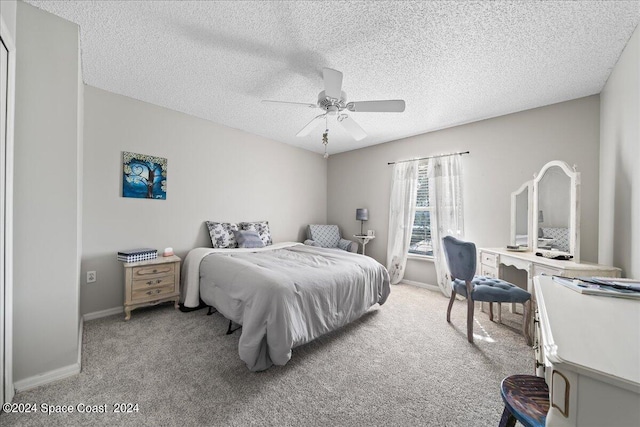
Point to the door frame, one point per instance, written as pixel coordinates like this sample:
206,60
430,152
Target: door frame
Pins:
6,282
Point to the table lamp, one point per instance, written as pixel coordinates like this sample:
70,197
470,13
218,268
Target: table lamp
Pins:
362,215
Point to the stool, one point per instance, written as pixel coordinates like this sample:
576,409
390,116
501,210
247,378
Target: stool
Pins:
526,399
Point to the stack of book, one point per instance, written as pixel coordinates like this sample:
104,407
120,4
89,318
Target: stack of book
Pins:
134,255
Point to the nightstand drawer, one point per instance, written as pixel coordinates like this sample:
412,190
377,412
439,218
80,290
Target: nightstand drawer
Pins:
153,282
490,260
151,271
145,294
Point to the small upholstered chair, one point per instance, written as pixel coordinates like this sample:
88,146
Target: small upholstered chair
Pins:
526,399
461,258
328,236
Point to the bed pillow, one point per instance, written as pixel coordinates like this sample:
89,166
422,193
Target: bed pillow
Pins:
248,239
221,234
261,227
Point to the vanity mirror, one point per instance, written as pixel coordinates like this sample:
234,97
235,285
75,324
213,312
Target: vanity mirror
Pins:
556,211
521,216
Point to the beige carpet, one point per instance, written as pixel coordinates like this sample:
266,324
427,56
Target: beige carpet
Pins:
401,364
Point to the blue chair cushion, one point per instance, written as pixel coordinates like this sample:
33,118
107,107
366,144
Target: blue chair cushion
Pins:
491,290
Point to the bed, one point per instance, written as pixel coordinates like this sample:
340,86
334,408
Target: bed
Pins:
283,295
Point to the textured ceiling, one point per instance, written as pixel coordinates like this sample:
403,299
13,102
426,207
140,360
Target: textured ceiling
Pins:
452,62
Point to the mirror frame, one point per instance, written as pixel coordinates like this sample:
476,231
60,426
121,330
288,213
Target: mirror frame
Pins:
574,208
528,186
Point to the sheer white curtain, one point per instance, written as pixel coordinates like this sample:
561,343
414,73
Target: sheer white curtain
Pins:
447,214
402,208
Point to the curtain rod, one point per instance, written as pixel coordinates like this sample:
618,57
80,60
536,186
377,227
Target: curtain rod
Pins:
430,157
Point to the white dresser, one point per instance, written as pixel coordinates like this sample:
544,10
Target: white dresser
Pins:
588,349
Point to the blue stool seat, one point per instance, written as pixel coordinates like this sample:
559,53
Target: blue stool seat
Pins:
489,289
526,399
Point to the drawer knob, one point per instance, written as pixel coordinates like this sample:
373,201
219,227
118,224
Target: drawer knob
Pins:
157,291
155,271
150,282
159,280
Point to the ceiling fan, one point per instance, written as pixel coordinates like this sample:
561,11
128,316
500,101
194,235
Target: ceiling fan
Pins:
333,100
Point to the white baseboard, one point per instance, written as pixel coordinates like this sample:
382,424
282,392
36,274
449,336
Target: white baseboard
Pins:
103,313
47,377
56,374
434,288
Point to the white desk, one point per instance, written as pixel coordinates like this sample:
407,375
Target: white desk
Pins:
588,349
363,239
493,261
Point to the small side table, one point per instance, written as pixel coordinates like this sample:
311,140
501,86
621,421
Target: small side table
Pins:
363,239
151,282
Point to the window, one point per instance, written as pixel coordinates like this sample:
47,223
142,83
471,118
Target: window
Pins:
421,233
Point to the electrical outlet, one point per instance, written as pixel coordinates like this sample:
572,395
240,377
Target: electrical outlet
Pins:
91,276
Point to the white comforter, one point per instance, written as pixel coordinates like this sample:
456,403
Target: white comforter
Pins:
283,295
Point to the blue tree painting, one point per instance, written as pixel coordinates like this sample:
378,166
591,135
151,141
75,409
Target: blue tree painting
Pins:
144,177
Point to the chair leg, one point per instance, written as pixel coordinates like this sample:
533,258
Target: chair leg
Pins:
470,308
491,311
451,300
507,420
526,325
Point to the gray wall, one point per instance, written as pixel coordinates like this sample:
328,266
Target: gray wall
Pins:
505,152
8,12
46,199
214,173
619,160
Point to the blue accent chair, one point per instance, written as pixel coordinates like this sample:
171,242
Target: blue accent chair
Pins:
328,236
461,259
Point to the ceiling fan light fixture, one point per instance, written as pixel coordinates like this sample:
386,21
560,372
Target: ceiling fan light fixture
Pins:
325,141
333,101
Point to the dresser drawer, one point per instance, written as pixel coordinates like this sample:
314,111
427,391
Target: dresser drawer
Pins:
542,269
149,294
152,271
490,260
153,282
488,271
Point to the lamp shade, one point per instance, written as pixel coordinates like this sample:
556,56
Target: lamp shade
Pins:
362,214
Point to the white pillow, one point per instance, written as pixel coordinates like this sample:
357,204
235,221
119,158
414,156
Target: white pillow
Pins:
221,234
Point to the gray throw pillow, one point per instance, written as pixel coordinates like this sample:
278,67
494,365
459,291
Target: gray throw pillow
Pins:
248,239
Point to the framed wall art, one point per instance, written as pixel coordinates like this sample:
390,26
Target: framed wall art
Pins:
144,176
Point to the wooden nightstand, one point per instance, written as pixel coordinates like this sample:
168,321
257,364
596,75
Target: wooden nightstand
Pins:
151,282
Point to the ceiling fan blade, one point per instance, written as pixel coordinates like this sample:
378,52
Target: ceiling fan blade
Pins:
304,104
311,125
388,106
332,82
353,128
